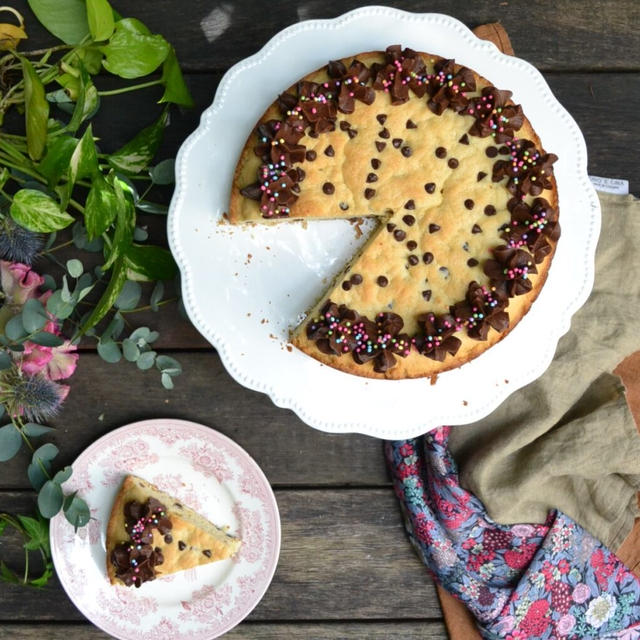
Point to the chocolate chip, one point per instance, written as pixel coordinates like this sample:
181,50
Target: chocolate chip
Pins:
464,139
413,260
491,152
311,155
453,163
352,133
344,125
427,295
476,228
346,285
410,204
207,553
427,257
369,193
468,203
372,177
481,175
441,152
168,539
399,235
381,118
489,210
411,124
158,550
384,133
406,151
182,546
356,279
411,245
409,220
472,262
329,151
390,226
380,145
344,206
382,281
434,227
313,134
430,187
328,188
375,163
444,272
504,150
396,142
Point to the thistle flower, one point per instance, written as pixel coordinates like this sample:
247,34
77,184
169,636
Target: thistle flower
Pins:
34,397
18,244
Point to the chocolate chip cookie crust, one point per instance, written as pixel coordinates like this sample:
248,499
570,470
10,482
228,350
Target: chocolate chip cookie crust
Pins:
465,195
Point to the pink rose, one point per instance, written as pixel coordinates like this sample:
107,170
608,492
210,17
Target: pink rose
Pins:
56,363
18,282
565,624
581,593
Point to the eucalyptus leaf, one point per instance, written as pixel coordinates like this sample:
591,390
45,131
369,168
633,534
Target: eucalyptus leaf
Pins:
150,263
38,212
74,268
168,365
49,283
36,111
14,329
46,339
5,361
175,88
56,161
36,475
10,442
45,453
130,350
100,18
82,241
50,499
140,334
109,351
163,172
34,430
100,207
63,475
114,328
57,307
118,278
34,316
152,207
167,381
129,296
65,19
140,234
136,155
156,296
132,50
77,512
146,360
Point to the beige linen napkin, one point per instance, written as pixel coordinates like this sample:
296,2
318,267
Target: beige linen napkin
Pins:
568,441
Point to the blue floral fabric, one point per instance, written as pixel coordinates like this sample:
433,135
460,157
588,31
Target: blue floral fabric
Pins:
549,581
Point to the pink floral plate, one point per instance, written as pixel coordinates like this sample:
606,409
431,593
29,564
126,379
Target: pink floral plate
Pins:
206,471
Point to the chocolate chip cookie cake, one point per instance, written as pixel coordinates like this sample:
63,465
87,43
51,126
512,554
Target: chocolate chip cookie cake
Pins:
464,192
151,534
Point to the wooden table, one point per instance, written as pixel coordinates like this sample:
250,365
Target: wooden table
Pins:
346,568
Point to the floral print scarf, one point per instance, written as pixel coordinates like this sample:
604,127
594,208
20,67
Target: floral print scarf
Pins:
549,581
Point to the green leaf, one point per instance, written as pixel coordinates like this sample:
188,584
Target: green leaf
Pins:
167,381
37,476
114,328
130,350
118,278
45,453
65,19
136,154
58,307
146,360
34,316
100,17
56,161
156,296
38,532
150,263
100,207
152,207
175,88
163,172
34,430
129,296
140,234
5,361
77,512
91,59
14,329
81,239
63,475
84,160
38,212
10,442
168,365
132,50
74,268
50,499
36,111
109,351
87,100
46,339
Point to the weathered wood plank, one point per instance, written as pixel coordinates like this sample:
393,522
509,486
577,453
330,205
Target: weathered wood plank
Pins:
105,396
344,556
427,630
551,34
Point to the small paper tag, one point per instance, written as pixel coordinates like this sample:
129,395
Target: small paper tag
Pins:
610,185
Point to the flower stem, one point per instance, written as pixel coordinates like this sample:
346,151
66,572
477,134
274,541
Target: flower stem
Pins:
59,246
134,87
148,307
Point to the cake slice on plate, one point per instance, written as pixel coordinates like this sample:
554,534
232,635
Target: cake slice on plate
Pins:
152,534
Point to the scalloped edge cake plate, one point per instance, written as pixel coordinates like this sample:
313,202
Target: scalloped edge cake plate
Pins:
205,470
245,288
